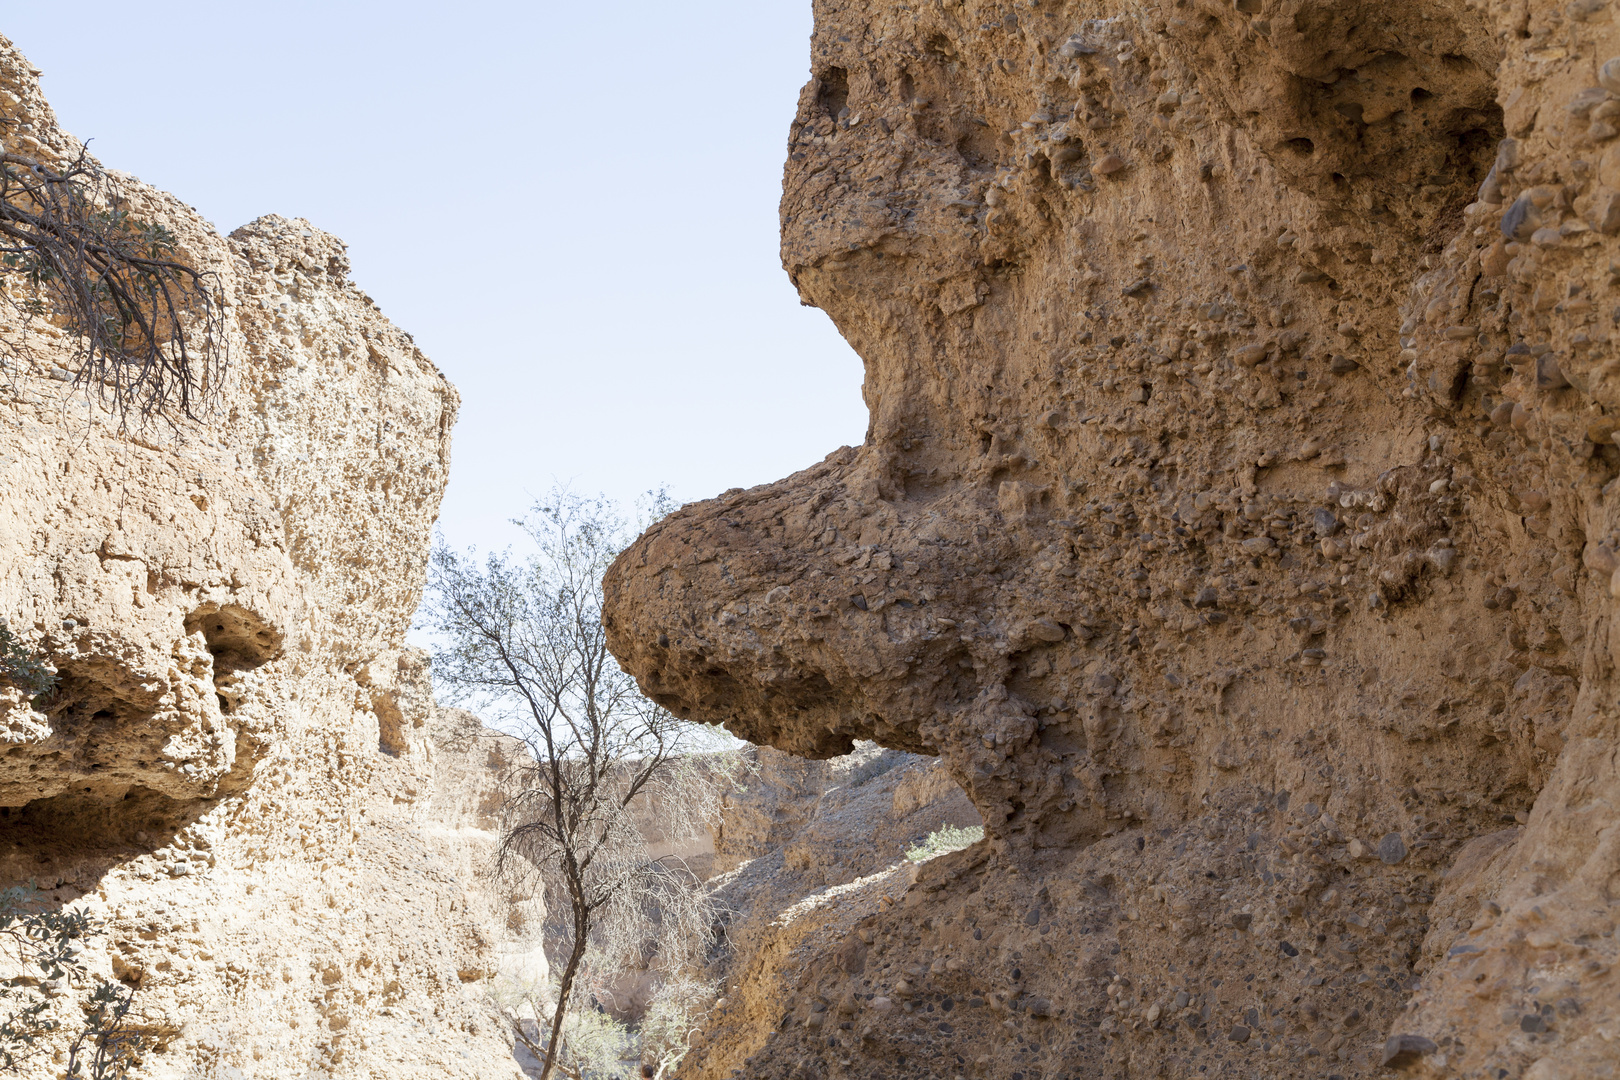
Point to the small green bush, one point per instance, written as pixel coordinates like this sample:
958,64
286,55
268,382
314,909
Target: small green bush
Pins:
943,842
680,1007
43,951
594,1045
20,668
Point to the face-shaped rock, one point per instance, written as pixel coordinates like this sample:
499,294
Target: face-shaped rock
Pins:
1127,289
1237,480
177,588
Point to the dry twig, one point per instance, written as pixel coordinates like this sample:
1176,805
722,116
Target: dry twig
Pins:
150,327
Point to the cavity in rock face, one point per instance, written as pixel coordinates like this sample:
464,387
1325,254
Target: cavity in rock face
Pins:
1236,522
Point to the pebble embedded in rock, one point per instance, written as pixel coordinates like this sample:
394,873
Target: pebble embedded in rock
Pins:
1518,222
1109,165
1549,375
1392,849
1046,630
1403,1050
1609,75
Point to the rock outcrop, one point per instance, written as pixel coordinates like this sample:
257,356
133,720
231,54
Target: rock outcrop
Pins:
806,849
235,773
1236,521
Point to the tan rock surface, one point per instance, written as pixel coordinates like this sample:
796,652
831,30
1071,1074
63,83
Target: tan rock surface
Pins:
807,849
236,774
1235,521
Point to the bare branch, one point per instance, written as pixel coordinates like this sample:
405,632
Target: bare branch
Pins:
524,641
150,327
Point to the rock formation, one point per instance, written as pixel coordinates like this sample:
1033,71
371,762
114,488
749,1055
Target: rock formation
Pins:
807,849
235,775
1236,521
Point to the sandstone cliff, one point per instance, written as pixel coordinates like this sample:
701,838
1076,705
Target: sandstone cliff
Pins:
1236,521
236,773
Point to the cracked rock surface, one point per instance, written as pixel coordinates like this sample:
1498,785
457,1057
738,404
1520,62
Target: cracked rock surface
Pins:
1236,521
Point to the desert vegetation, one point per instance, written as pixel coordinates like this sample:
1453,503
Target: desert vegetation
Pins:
47,991
148,323
521,639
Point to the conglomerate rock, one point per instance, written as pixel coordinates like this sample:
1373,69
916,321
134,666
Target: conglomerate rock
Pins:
235,775
1236,520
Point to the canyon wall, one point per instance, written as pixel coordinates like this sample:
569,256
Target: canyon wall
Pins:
1237,522
806,849
235,776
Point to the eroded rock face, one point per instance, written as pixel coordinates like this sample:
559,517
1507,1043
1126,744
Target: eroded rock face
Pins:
807,849
235,775
1236,521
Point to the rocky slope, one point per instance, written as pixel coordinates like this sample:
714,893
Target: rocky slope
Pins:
1236,521
805,850
236,774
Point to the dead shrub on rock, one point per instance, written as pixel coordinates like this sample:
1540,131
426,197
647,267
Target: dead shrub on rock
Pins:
148,327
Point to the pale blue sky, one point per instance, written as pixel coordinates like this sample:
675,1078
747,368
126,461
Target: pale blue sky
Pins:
571,206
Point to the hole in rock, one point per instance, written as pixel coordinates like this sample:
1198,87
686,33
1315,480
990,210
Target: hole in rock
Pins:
390,725
63,845
833,96
977,148
1303,147
100,783
237,638
239,641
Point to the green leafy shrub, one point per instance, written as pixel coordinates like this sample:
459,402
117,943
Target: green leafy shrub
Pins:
595,1045
45,974
20,667
676,1012
944,841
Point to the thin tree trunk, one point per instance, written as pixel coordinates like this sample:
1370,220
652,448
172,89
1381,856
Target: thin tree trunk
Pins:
581,928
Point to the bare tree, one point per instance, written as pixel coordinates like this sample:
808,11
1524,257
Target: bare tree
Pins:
523,639
149,326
